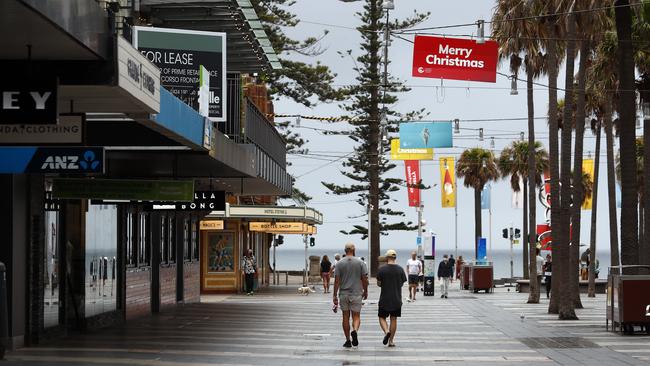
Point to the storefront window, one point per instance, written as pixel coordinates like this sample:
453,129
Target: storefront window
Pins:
187,250
171,238
101,259
195,240
144,238
52,275
131,252
164,252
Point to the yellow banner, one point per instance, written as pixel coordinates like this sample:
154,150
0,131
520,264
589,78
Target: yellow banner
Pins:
588,168
448,181
397,153
211,225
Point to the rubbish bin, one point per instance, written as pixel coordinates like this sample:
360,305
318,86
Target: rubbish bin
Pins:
4,326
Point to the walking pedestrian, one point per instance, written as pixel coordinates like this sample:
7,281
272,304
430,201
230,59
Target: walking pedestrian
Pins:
337,258
584,264
444,275
325,267
249,269
548,272
539,261
351,285
414,269
459,266
390,278
452,261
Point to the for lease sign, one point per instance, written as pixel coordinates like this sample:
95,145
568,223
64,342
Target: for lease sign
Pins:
455,59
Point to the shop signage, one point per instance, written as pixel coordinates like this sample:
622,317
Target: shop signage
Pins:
211,225
51,204
418,135
397,153
29,101
207,133
203,201
64,160
412,168
455,59
282,227
69,130
127,190
180,54
138,76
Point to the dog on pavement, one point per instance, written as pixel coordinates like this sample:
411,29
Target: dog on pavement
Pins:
305,290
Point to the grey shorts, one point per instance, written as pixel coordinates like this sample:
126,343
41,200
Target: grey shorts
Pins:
349,302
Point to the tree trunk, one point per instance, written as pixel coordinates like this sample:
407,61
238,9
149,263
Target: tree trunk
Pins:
554,168
591,292
477,220
566,310
641,238
611,189
627,116
578,191
525,231
533,295
373,158
644,245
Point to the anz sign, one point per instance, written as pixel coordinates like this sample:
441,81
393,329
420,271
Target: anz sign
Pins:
63,160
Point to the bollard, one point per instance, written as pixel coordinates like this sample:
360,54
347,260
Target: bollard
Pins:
4,326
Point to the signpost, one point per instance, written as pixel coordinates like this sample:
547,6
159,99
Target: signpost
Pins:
430,266
180,54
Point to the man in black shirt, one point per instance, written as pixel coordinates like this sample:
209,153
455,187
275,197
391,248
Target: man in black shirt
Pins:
445,273
390,278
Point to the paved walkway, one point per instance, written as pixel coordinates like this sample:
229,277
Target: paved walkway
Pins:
279,327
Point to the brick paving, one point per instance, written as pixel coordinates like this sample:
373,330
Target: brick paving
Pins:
280,327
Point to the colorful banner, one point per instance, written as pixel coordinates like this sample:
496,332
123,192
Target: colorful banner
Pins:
588,168
414,135
544,236
397,153
413,181
455,59
448,181
485,197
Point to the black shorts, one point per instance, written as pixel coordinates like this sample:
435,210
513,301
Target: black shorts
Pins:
413,279
385,314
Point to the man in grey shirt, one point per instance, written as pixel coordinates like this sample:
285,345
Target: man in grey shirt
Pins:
351,286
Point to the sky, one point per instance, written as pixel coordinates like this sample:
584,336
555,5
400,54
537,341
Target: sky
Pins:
444,101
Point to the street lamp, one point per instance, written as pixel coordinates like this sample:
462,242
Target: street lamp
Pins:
387,5
480,32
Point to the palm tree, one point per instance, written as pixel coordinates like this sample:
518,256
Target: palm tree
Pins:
477,167
626,110
591,292
516,37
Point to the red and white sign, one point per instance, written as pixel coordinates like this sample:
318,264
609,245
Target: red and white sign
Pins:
413,181
455,59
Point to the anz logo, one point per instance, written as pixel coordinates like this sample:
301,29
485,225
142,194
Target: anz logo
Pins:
71,162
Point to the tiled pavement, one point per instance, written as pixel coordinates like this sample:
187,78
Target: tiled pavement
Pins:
279,327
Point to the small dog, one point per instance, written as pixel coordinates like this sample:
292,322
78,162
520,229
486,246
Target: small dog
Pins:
305,290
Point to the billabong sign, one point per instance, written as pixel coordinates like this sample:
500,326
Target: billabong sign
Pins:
66,160
203,201
25,102
455,59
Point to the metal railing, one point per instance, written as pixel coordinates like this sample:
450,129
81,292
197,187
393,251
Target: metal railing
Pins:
260,131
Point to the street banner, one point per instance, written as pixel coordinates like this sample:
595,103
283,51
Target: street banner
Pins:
180,54
455,59
518,197
448,181
485,197
588,168
397,153
413,181
544,236
413,135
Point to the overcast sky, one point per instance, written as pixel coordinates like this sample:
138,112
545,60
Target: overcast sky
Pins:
455,99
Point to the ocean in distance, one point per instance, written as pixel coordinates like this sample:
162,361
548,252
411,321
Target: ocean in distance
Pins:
294,259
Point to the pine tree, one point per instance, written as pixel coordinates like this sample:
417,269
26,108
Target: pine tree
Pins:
301,82
369,104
